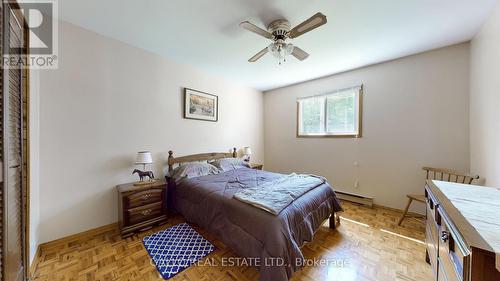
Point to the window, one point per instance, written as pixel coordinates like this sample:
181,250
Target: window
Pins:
337,114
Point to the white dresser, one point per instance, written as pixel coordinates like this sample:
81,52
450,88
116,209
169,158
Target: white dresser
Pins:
463,231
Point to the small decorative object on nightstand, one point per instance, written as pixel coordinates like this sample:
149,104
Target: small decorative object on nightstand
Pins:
247,151
141,207
143,158
256,166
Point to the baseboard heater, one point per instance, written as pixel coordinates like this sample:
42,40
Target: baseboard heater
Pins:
356,198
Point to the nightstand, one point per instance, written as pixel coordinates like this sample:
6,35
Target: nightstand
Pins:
256,166
141,207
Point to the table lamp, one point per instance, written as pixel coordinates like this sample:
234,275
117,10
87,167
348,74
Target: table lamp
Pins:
144,158
247,151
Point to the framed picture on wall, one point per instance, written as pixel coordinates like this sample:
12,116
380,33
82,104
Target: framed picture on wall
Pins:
200,106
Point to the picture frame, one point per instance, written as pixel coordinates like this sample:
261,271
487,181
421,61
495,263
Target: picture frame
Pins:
200,105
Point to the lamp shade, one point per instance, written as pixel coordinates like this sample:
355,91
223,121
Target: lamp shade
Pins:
144,157
247,151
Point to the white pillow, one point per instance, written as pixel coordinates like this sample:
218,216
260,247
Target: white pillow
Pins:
227,164
192,170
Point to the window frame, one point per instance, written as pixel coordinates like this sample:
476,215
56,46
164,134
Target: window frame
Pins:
333,135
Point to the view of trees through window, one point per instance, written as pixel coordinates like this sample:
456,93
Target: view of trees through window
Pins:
312,115
341,109
333,114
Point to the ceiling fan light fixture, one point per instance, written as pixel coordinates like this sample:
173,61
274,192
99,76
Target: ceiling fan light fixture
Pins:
279,32
280,51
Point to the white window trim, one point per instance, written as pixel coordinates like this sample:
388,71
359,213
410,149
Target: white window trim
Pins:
359,109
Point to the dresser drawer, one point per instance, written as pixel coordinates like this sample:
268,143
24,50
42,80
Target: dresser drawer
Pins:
432,229
433,219
142,198
443,274
432,249
453,253
144,213
431,208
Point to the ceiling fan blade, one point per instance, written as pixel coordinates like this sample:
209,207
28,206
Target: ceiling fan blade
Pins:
311,23
255,29
258,55
299,53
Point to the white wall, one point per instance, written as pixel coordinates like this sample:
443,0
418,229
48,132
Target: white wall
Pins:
415,113
485,101
109,100
34,161
34,170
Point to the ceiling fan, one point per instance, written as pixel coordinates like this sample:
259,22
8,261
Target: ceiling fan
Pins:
279,31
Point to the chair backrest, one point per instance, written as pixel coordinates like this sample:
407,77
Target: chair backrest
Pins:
449,175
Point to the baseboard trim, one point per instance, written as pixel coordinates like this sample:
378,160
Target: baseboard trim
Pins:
355,198
34,263
90,232
369,202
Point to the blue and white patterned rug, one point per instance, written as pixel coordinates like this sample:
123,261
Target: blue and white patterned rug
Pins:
176,248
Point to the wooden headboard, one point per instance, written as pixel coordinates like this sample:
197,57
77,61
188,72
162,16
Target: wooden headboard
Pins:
197,157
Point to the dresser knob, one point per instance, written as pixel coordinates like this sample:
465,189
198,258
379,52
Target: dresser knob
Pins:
146,197
444,236
146,212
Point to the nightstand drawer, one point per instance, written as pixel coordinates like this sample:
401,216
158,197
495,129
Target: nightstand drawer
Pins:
144,213
141,207
142,198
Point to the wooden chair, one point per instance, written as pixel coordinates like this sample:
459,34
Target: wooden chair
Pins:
437,174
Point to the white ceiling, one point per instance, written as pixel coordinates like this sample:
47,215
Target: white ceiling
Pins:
206,35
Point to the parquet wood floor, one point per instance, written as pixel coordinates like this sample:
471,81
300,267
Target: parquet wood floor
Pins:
369,241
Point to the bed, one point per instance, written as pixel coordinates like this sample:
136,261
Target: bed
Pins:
270,242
